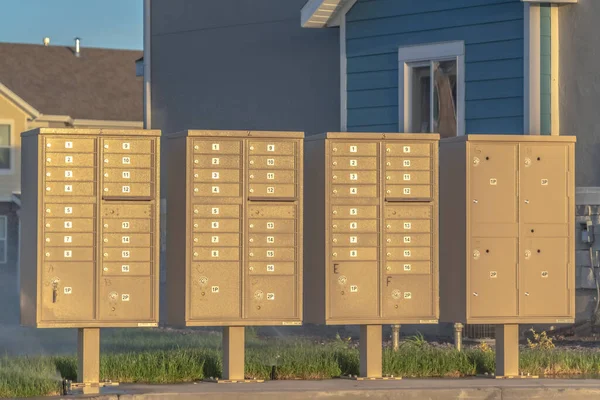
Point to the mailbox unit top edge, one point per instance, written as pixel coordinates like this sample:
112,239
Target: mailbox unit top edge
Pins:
511,138
374,136
92,132
238,134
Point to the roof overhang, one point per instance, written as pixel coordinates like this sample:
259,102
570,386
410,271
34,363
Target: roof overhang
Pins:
323,13
19,102
16,198
557,2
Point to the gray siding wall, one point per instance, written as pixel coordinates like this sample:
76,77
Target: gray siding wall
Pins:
580,86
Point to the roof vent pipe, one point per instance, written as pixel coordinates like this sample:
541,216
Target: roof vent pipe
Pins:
77,53
46,41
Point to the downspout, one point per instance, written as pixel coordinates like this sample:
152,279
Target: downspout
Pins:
147,64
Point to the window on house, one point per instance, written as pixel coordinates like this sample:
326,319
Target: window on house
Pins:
5,149
432,89
3,241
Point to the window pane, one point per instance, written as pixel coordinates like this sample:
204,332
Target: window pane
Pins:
2,251
4,135
444,100
2,228
421,94
4,158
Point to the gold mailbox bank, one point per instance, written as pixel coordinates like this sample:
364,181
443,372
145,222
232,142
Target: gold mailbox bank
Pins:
234,233
507,234
371,234
90,233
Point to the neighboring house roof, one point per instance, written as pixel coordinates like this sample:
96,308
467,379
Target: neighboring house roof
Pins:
101,84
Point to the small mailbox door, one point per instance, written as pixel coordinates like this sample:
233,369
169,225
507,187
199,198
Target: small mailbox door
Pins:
215,291
353,290
407,296
126,299
271,297
66,294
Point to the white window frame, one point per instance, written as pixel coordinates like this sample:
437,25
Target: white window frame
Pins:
11,170
4,220
410,57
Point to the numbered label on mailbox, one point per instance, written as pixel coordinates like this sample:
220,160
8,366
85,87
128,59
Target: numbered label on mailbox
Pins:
68,145
126,146
68,290
126,160
270,147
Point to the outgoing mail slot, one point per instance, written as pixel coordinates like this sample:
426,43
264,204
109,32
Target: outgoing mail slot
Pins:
216,161
272,190
209,146
271,268
67,239
354,212
70,189
408,253
407,267
354,177
127,240
353,191
408,149
127,210
66,294
271,297
408,211
68,254
407,164
356,148
125,253
408,226
216,254
215,291
272,176
125,175
126,189
217,239
273,254
408,177
70,210
408,296
272,226
354,254
54,174
216,175
216,225
272,211
408,191
74,225
354,163
123,225
356,239
213,211
351,226
127,161
408,240
70,159
271,147
216,189
126,298
70,145
271,162
126,268
279,240
127,146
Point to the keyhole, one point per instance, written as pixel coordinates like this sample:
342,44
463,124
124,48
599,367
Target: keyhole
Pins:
487,251
539,251
487,158
533,230
539,159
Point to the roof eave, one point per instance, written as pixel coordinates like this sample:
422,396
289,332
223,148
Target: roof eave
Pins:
321,13
19,102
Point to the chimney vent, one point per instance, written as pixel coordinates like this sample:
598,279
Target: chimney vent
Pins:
46,41
77,53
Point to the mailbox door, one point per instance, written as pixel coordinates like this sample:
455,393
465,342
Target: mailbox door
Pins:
355,226
70,174
493,183
132,240
67,210
407,296
126,268
127,146
211,146
544,288
217,238
261,190
216,175
339,211
127,161
354,254
355,177
492,277
127,189
407,164
271,297
407,150
354,148
407,267
356,239
214,211
125,176
71,160
216,161
70,145
70,189
215,290
125,299
66,294
353,290
354,163
271,162
271,147
69,239
271,268
216,190
543,191
127,210
354,191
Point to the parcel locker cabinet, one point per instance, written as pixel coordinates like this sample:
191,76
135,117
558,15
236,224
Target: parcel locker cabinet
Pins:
507,229
371,228
234,228
90,228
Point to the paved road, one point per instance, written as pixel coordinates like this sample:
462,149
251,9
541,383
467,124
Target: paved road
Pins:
406,389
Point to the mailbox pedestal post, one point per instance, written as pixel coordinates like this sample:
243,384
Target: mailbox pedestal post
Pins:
88,357
233,353
370,351
507,350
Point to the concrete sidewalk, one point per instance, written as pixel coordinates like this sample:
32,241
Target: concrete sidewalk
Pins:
413,389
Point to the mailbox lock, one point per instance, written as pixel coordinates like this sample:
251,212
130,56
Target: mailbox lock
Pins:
106,189
388,178
475,294
475,201
48,240
106,225
526,201
334,212
47,225
476,254
251,147
106,146
475,161
196,161
203,293
389,164
251,176
335,240
389,227
251,162
47,254
195,190
334,254
106,175
105,269
335,177
334,226
195,254
105,254
48,159
251,240
47,210
195,225
105,240
334,149
251,254
389,191
195,211
49,145
389,240
388,268
526,293
196,147
395,305
251,269
251,225
334,191
527,254
388,150
258,307
527,162
251,190
334,163
389,254
195,240
106,160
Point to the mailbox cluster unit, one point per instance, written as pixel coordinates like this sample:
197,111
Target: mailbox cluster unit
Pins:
90,211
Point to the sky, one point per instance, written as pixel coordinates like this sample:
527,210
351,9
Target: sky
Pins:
116,24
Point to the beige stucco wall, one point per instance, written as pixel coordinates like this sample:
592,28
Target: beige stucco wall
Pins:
9,113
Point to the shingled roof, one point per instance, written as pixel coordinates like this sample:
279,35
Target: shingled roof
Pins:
101,84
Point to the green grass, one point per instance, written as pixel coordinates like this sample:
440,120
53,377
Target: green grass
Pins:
154,356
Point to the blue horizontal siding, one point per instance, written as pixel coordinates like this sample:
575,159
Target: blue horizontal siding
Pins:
493,34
